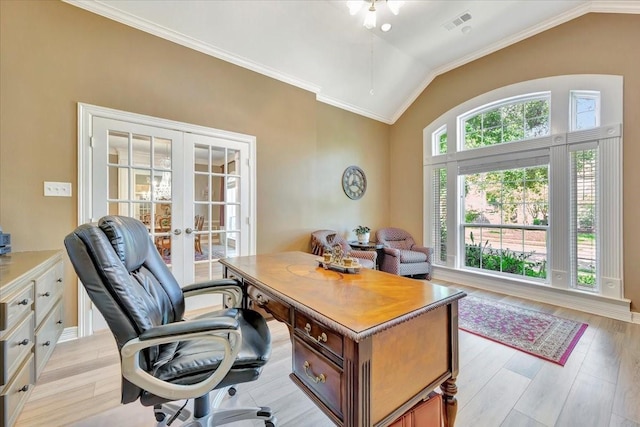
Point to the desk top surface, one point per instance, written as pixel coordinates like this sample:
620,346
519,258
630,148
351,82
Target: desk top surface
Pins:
358,304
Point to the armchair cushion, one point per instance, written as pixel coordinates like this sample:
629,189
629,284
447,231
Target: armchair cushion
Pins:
407,256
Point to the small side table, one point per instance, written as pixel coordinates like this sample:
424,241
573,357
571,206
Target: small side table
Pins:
370,246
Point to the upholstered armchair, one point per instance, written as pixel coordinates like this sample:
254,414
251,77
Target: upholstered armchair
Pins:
401,254
322,240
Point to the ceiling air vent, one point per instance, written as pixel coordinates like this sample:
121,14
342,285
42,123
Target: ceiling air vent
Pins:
457,21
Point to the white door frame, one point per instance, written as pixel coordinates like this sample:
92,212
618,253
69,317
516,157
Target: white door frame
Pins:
86,113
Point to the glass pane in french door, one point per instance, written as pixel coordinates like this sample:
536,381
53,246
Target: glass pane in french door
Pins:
139,184
216,207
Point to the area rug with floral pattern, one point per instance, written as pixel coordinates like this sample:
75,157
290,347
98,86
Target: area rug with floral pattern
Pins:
540,334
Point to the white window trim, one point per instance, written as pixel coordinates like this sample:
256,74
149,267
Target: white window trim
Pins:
610,301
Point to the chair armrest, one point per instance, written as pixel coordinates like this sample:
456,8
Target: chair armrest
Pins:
189,327
223,330
391,251
370,255
424,250
228,287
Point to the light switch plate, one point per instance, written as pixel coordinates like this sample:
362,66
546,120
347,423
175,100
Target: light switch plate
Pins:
57,189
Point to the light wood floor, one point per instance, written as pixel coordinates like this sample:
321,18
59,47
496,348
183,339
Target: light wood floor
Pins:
498,386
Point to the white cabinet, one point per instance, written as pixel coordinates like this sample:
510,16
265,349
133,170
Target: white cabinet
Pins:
31,321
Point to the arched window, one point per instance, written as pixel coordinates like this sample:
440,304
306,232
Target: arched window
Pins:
523,184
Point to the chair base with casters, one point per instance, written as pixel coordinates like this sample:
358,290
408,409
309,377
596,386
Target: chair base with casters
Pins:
165,357
205,412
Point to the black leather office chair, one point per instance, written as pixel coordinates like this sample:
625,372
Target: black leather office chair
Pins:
163,356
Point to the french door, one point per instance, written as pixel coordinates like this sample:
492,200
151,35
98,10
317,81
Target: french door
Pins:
193,191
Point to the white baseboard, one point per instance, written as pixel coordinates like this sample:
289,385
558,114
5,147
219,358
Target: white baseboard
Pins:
614,308
69,334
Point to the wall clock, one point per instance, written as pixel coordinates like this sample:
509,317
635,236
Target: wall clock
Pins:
354,182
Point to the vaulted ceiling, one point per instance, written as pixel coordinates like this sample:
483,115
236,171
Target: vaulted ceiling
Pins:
317,45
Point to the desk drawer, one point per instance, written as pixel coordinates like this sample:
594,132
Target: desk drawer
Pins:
427,413
267,302
14,348
319,333
48,289
16,306
47,337
15,394
321,376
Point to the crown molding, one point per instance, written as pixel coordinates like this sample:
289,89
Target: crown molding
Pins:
617,6
187,41
599,6
602,6
349,107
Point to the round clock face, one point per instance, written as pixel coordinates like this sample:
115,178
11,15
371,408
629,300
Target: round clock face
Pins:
354,182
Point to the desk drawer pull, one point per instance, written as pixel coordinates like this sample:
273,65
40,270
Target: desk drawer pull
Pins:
46,344
23,388
321,338
23,342
23,302
261,301
316,379
46,294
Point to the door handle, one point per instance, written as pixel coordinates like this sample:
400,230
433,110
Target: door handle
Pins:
188,230
177,231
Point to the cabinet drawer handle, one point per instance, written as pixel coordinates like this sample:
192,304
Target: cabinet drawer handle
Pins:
316,379
59,280
321,338
23,342
46,344
46,294
59,322
24,388
23,302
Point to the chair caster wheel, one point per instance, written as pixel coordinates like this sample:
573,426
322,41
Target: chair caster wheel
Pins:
269,424
232,391
160,416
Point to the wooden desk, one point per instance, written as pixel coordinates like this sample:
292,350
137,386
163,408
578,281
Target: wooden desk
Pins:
367,346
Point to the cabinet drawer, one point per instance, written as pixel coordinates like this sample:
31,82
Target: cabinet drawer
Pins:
14,395
267,302
320,375
15,347
319,333
15,306
47,291
47,337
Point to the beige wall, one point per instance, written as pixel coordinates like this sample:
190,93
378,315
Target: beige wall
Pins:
592,44
55,55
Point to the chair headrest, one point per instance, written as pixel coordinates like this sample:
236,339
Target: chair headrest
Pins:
129,238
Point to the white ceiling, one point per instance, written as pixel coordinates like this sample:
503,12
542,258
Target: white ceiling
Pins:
317,45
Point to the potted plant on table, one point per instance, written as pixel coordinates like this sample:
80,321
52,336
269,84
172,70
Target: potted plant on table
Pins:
362,233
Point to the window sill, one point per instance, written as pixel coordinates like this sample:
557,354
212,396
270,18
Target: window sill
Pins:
569,298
